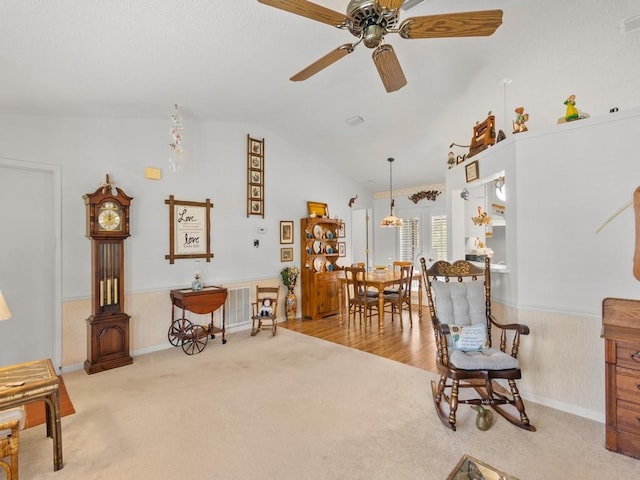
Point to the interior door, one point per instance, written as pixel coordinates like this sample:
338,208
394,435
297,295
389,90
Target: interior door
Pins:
361,236
29,262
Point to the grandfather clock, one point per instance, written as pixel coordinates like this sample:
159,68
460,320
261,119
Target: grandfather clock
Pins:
108,326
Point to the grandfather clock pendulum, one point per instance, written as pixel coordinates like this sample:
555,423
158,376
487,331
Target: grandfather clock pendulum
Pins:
108,326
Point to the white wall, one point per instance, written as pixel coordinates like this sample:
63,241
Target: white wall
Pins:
215,167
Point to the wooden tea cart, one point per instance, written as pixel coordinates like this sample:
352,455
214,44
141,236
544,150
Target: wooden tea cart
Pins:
193,337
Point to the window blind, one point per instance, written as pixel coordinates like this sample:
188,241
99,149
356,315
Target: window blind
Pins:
439,236
409,241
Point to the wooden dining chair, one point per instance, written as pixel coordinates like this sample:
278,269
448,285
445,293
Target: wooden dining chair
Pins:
396,269
372,292
358,301
402,296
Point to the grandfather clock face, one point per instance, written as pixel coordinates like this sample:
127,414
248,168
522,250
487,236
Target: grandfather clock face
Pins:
110,217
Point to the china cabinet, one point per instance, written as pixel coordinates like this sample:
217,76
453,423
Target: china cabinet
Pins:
319,239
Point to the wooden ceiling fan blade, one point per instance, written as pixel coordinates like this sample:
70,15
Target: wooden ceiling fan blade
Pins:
389,68
390,4
323,62
463,24
310,10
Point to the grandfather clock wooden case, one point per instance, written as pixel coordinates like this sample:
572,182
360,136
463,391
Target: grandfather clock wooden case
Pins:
108,326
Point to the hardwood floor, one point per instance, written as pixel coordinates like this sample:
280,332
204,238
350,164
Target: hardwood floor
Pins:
413,345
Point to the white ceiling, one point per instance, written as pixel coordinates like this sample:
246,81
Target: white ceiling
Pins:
231,61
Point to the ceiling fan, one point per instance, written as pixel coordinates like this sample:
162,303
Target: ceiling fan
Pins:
371,20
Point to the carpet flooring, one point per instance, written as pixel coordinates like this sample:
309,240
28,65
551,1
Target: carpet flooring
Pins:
293,407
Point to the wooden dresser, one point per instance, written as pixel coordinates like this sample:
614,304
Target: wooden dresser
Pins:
621,331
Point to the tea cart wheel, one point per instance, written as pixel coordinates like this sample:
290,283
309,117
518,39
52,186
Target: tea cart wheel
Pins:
177,330
195,339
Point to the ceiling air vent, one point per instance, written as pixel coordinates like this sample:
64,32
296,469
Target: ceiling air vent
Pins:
410,4
630,24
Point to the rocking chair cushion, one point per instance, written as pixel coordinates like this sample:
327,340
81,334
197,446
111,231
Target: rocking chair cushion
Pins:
460,303
487,359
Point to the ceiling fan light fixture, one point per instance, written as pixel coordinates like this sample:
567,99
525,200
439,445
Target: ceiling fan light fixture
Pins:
373,35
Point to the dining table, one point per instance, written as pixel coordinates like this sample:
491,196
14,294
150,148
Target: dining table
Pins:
380,280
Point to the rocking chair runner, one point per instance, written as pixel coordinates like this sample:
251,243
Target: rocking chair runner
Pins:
459,298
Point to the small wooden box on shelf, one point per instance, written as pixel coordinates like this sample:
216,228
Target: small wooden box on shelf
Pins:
621,331
319,238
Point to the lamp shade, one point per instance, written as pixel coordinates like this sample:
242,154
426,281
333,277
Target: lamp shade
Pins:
391,221
5,313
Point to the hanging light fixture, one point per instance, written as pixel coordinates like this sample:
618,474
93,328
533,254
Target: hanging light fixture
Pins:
391,220
175,159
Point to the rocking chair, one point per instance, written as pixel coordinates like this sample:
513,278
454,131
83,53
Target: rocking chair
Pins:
459,298
265,310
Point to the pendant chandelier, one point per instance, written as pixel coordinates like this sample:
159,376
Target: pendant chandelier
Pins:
391,220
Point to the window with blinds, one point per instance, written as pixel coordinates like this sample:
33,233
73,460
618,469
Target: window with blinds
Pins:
439,236
409,241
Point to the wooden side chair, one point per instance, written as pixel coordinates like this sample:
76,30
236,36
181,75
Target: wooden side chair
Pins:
265,309
397,265
358,300
371,292
402,296
459,299
11,421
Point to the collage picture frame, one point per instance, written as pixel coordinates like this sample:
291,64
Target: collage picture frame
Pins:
255,176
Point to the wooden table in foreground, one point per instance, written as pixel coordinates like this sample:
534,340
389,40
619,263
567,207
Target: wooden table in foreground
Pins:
30,382
380,282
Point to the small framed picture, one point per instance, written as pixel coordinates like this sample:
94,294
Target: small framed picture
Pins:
317,209
255,146
341,230
256,207
286,231
256,191
471,171
342,249
256,162
286,254
255,177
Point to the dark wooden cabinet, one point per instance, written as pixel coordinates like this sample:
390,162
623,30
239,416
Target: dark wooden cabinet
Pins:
621,332
320,245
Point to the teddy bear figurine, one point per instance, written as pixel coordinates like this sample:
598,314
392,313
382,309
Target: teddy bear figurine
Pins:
266,310
519,124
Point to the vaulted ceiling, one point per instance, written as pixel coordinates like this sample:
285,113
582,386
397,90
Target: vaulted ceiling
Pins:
232,60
